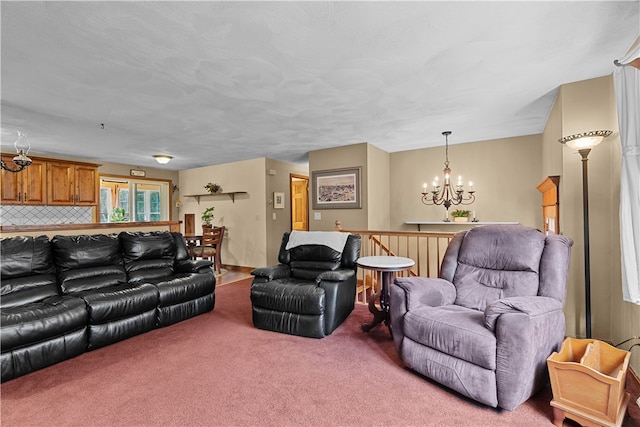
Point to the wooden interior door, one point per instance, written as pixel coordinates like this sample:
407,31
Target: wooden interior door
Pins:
299,202
189,224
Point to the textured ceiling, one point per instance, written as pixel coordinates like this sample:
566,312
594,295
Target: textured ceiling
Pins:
214,82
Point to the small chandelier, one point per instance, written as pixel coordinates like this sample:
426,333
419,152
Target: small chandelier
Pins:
447,194
22,148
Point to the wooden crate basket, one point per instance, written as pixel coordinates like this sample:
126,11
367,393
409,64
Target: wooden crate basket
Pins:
588,379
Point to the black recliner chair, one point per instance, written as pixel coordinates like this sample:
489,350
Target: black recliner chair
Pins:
310,293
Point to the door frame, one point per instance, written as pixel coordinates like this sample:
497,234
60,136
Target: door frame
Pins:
298,177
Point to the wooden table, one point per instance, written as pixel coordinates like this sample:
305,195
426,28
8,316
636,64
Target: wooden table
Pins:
385,268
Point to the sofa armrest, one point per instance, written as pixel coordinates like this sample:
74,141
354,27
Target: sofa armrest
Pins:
527,331
271,273
192,266
339,275
426,291
531,306
407,293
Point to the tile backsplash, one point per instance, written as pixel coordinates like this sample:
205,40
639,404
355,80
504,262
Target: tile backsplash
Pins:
39,215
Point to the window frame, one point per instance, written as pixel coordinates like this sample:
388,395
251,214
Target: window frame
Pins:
131,182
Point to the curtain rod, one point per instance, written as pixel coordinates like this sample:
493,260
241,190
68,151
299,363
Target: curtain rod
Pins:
635,63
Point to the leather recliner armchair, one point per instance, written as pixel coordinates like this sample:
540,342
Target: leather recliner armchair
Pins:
486,327
310,293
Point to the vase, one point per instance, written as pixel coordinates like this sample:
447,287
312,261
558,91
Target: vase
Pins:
460,219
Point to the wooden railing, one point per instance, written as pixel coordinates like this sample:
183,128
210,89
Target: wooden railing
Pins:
425,248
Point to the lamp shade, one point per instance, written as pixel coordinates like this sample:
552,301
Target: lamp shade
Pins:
163,159
586,140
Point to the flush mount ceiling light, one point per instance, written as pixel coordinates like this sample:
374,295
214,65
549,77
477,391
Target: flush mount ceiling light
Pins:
163,159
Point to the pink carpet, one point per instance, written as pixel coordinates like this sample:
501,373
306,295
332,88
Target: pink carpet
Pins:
218,370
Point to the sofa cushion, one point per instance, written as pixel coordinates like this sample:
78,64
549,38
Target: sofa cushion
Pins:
185,287
147,245
289,295
25,256
27,289
39,321
495,263
148,256
87,262
120,301
27,273
83,251
453,330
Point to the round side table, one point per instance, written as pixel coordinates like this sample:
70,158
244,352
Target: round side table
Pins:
385,268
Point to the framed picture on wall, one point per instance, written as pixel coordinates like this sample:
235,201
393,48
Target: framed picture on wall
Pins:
336,189
278,200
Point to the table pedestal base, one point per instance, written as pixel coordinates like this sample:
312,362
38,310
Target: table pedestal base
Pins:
379,315
385,268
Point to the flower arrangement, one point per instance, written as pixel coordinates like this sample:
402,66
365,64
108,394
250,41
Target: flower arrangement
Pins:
212,187
207,216
460,213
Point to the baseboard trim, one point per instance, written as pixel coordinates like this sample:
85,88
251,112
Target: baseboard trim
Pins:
238,268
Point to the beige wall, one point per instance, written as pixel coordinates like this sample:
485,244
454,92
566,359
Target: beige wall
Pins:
551,148
505,174
245,241
378,188
278,179
253,237
337,158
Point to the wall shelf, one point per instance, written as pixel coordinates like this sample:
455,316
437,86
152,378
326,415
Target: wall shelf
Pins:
468,223
231,194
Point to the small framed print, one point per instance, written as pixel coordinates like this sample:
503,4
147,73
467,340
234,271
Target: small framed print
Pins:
278,200
138,172
336,189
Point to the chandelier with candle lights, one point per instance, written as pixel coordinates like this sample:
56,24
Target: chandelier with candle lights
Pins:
447,194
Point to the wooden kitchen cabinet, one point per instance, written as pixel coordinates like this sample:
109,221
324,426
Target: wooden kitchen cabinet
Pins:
72,184
27,187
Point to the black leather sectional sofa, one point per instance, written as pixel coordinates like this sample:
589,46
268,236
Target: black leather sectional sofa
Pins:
64,296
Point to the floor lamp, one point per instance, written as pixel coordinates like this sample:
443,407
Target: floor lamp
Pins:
584,142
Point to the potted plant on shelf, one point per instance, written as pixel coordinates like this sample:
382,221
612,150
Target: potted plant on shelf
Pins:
118,215
213,188
460,215
207,216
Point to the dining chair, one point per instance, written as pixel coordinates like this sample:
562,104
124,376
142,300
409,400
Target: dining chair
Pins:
210,246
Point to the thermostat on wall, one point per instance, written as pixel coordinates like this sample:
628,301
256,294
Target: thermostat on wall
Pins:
138,172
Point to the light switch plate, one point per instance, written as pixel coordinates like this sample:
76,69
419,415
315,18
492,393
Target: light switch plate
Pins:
317,216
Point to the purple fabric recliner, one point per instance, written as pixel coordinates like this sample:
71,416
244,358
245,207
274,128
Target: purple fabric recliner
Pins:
486,327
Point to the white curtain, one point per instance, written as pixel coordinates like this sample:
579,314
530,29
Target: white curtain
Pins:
627,87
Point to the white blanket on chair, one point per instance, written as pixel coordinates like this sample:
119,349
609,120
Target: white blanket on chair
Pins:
333,239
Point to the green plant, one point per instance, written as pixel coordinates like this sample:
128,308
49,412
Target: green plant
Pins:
212,187
118,215
460,213
207,215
